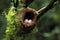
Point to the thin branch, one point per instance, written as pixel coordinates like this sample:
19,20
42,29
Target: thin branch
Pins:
15,3
45,9
26,3
40,10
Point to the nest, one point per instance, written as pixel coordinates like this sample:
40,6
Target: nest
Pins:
27,18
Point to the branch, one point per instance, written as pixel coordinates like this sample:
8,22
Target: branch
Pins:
45,9
26,3
15,3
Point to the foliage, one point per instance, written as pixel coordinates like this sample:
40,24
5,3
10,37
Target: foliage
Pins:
10,25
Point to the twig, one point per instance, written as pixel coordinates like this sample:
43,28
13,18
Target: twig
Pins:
15,3
45,9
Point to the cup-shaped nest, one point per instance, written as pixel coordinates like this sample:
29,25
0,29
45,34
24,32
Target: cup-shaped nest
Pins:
28,17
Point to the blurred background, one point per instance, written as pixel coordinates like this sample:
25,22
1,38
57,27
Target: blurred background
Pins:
46,28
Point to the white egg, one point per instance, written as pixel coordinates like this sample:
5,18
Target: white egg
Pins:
29,21
26,20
